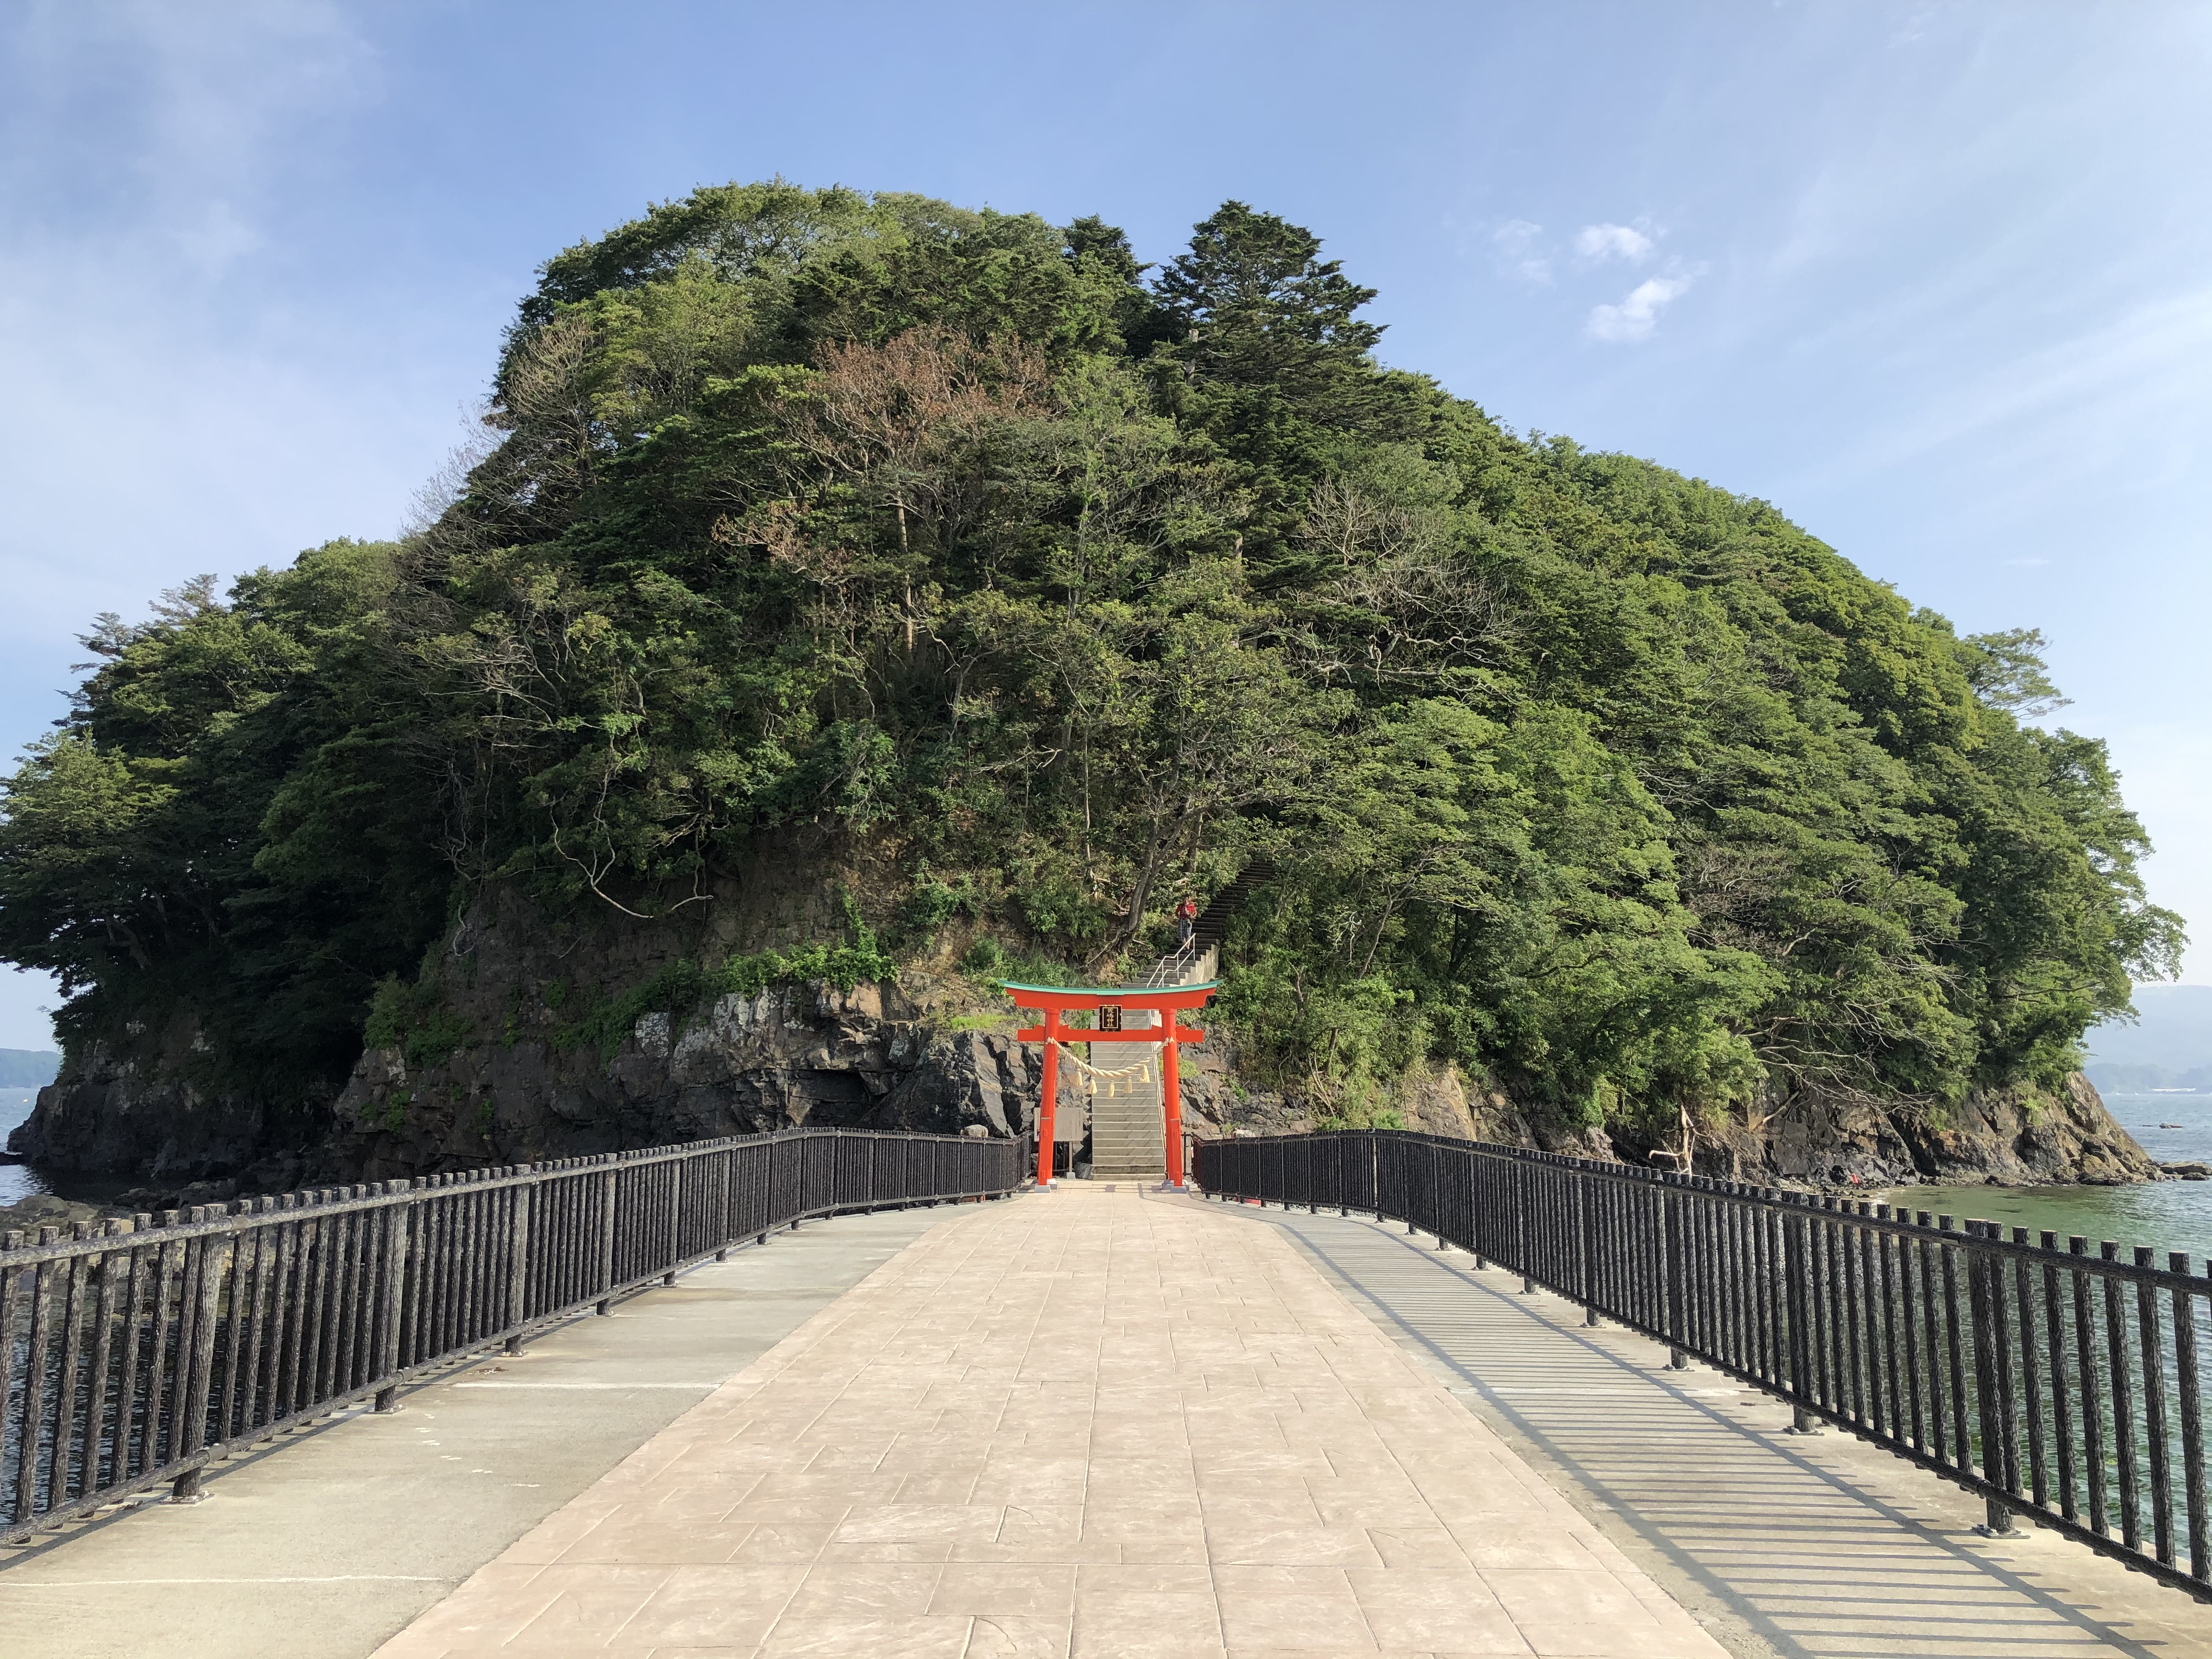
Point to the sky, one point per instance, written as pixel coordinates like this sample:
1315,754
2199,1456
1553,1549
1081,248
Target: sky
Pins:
1934,279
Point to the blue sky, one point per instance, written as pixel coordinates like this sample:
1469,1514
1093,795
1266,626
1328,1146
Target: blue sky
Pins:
1935,279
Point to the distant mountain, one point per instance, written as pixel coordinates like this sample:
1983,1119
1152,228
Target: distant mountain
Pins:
2113,1079
28,1068
2174,1035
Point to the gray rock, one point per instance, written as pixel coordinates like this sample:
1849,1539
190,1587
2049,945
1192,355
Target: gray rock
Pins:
43,1210
134,1114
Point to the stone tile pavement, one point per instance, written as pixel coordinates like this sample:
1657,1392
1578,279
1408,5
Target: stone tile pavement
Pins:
322,1543
1785,1548
1086,1423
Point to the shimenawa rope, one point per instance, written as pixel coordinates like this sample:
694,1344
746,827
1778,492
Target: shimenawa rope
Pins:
1110,1076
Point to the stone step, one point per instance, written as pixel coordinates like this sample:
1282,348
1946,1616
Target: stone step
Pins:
1212,926
1126,1138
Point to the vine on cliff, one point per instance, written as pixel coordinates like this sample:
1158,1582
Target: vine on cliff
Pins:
683,986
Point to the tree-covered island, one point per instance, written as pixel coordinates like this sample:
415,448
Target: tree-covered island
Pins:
855,595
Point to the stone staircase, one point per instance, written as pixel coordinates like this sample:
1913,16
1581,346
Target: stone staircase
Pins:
1211,930
1200,960
1128,1132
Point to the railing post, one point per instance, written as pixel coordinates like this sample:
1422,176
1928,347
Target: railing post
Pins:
1586,1235
2158,1442
391,1299
1989,1406
1437,1192
1521,1217
1671,1201
2184,1302
34,1374
192,1401
517,1270
1795,1289
675,1219
606,1261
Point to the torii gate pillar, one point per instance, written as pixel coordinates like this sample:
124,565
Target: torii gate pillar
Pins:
1047,1142
1106,1006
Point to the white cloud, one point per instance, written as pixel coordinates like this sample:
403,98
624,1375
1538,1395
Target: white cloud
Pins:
184,400
1634,317
1598,243
1521,251
186,112
2125,400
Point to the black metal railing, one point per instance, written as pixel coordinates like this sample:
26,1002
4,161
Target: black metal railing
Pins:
2056,1383
139,1351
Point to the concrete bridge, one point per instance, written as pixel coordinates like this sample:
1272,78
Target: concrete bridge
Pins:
1097,1420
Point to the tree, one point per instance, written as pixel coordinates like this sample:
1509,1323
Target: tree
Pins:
1261,310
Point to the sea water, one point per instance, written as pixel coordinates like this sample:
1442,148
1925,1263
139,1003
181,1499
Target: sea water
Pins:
17,1180
2166,1215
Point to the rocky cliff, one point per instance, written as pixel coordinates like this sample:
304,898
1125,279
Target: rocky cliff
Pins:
506,1055
2012,1137
867,1058
130,1110
2019,1137
513,1054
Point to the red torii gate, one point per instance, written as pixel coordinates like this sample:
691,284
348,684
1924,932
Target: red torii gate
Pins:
1106,1006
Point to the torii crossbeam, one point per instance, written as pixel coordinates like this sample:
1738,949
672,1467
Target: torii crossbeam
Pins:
1107,1005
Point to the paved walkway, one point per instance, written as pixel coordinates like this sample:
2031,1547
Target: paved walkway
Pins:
324,1543
1809,1548
1084,1422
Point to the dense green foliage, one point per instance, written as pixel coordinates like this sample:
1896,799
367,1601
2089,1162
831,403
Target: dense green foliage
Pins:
951,534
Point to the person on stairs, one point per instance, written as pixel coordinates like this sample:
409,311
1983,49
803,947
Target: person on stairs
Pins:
1186,922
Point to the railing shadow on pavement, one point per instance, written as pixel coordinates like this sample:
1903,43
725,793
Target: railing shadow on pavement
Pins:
1817,1557
2052,1382
137,1351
